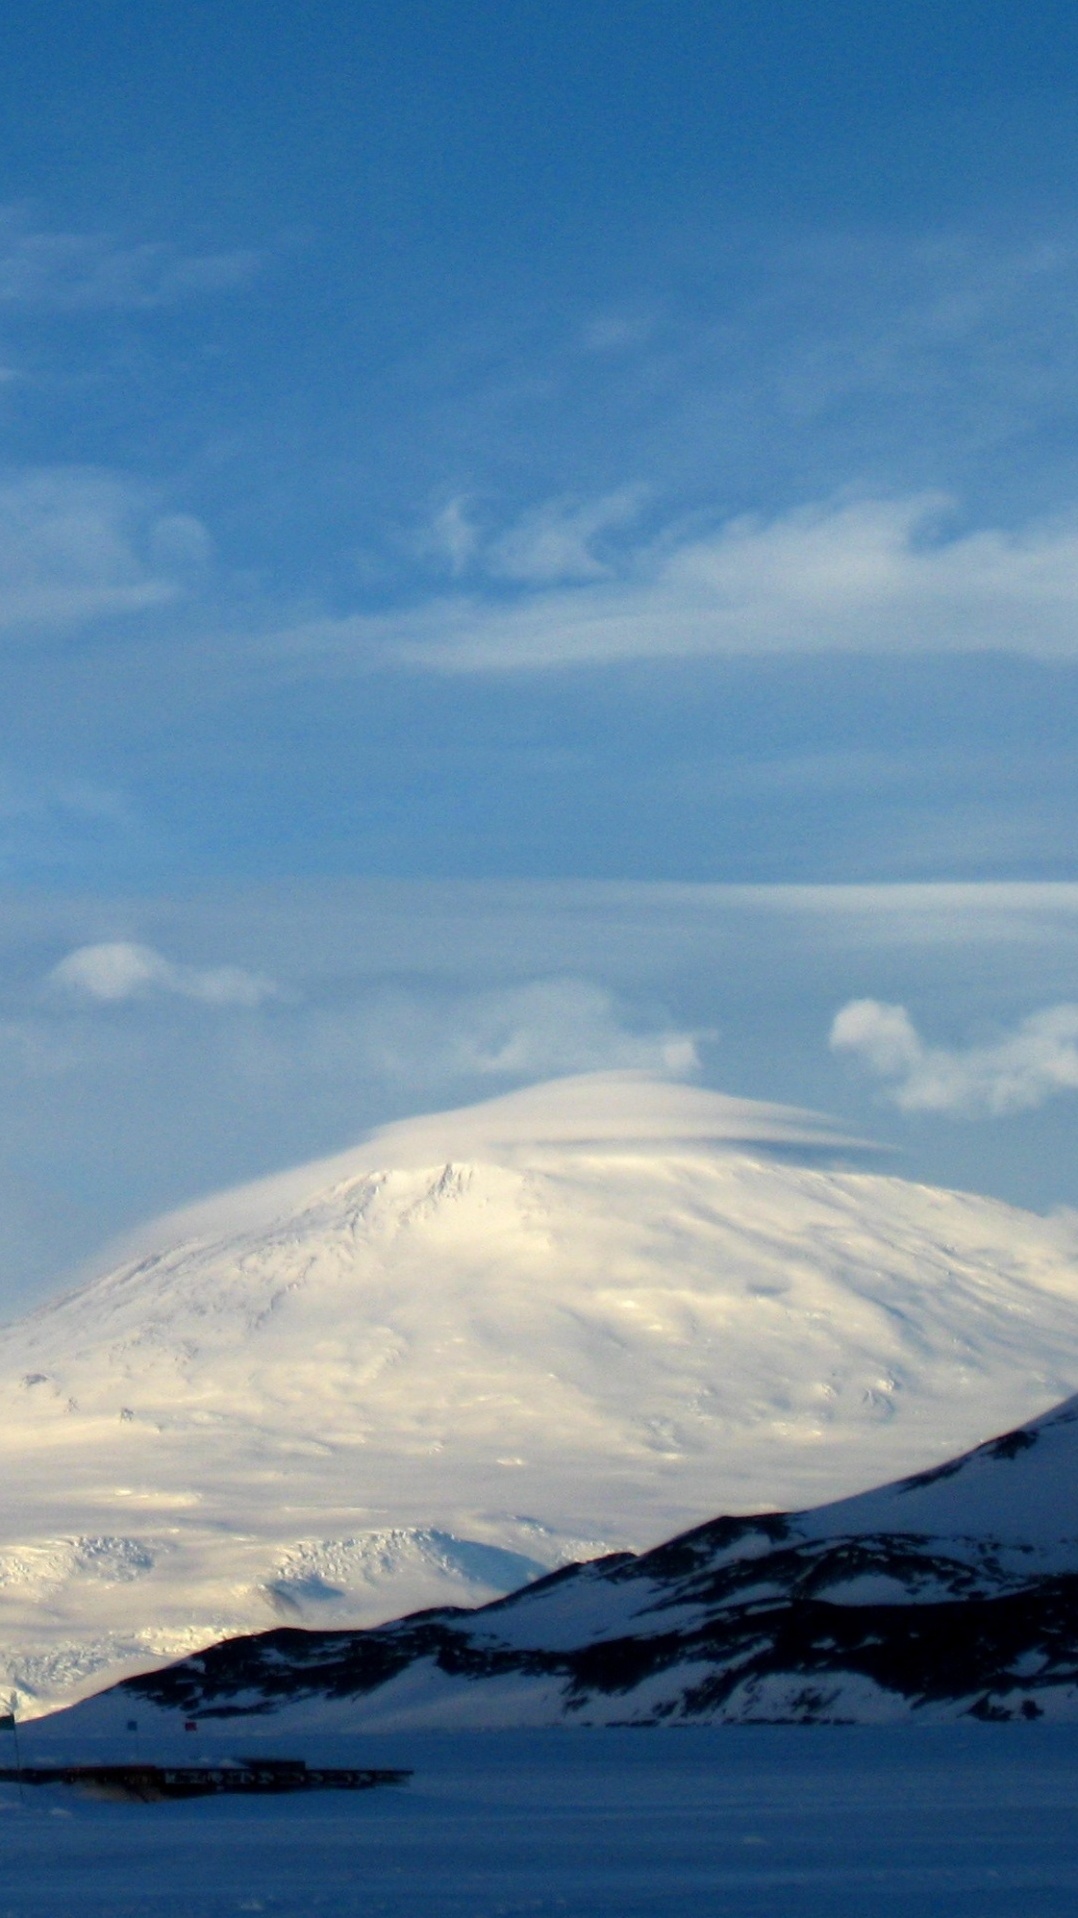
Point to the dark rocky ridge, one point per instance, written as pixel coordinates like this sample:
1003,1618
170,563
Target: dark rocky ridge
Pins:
953,1592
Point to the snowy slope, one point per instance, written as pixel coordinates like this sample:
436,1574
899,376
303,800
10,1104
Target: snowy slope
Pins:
487,1342
952,1593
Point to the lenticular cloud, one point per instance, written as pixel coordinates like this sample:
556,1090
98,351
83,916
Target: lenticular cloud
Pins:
1014,1073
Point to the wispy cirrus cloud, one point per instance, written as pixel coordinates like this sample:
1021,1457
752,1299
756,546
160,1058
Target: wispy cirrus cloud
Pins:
560,541
846,575
82,271
78,544
1015,1073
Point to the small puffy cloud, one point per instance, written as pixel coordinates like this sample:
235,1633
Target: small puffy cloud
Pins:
118,970
883,1036
1014,1073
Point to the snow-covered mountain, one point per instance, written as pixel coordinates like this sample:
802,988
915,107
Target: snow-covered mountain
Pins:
483,1344
952,1593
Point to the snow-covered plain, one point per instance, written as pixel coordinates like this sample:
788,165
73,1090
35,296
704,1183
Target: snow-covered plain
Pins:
483,1344
953,1822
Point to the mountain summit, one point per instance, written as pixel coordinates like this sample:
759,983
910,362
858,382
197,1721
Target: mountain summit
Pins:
489,1341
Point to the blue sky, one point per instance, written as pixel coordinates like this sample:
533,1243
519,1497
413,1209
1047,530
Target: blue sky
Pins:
564,444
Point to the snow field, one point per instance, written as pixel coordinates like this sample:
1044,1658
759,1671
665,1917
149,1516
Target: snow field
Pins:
572,1320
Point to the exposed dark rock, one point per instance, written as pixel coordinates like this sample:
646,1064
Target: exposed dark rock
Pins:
826,1615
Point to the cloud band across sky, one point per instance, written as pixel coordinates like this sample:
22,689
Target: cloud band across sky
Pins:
876,576
871,575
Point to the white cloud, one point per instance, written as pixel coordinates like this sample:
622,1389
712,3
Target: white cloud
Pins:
550,545
1014,1073
404,996
533,1031
555,542
561,1025
87,270
117,970
452,536
71,543
878,576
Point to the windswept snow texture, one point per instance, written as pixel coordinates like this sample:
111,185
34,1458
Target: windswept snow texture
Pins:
951,1594
482,1344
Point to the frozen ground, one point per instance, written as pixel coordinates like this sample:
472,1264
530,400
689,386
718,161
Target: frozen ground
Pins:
761,1822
